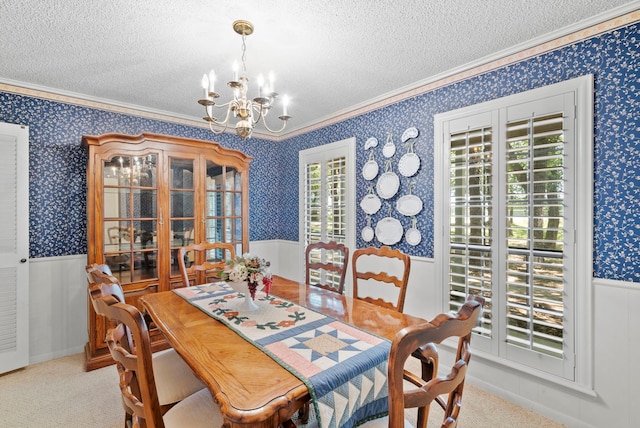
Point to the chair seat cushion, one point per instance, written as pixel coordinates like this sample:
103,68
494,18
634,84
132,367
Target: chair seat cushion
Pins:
197,410
383,423
174,378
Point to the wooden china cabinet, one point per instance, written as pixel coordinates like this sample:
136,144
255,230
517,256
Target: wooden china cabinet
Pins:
147,196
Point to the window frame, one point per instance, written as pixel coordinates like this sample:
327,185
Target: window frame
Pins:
581,307
323,153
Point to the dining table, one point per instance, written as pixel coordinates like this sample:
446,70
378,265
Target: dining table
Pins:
252,388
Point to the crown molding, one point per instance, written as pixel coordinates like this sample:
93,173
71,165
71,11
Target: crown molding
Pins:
615,18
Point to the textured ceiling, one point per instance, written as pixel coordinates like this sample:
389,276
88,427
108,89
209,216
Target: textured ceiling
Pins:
328,56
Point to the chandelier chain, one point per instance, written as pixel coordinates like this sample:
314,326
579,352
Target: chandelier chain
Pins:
244,53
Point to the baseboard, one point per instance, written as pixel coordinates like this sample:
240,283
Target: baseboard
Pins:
41,358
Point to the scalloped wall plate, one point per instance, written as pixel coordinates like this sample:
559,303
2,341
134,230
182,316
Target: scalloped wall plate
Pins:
370,170
367,233
409,133
409,164
389,149
413,236
371,142
388,185
409,205
370,204
389,231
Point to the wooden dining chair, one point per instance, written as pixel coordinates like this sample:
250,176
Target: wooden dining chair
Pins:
200,265
421,390
101,274
130,347
368,277
326,265
174,378
103,268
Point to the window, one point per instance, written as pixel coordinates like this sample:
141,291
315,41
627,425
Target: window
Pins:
517,175
326,194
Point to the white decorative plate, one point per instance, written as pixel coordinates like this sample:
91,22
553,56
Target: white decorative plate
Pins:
371,142
370,170
409,164
409,205
370,204
367,233
389,231
413,236
388,185
409,133
389,149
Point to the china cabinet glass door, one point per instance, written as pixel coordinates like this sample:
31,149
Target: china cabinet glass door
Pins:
182,207
223,210
130,217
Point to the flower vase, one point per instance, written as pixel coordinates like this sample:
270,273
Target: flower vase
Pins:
248,304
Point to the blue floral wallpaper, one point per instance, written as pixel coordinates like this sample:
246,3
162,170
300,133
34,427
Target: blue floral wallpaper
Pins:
58,162
612,58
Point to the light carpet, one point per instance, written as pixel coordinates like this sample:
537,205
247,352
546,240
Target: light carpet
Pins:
59,393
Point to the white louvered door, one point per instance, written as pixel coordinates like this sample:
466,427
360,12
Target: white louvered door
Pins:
14,247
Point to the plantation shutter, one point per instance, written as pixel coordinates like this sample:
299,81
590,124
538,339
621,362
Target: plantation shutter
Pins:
325,211
313,202
336,210
510,234
535,217
471,220
538,208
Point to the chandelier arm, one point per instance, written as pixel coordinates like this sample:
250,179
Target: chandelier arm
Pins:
254,121
222,105
213,119
225,122
211,128
264,122
262,112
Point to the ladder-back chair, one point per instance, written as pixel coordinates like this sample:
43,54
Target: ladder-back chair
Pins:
327,262
378,281
130,347
174,378
421,390
194,261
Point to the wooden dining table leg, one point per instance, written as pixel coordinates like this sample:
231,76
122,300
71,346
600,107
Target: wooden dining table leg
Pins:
303,413
288,424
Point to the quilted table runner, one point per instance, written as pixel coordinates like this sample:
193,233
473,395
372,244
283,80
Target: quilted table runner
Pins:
345,368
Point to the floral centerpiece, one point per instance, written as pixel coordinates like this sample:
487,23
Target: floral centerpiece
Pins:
252,269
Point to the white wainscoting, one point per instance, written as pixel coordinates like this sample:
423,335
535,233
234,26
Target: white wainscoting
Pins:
58,327
616,377
283,256
57,307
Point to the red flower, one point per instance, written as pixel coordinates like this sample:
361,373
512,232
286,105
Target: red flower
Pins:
267,284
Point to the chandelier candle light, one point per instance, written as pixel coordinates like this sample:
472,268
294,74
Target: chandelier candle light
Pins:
248,111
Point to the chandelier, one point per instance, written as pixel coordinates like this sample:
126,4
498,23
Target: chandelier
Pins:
249,112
